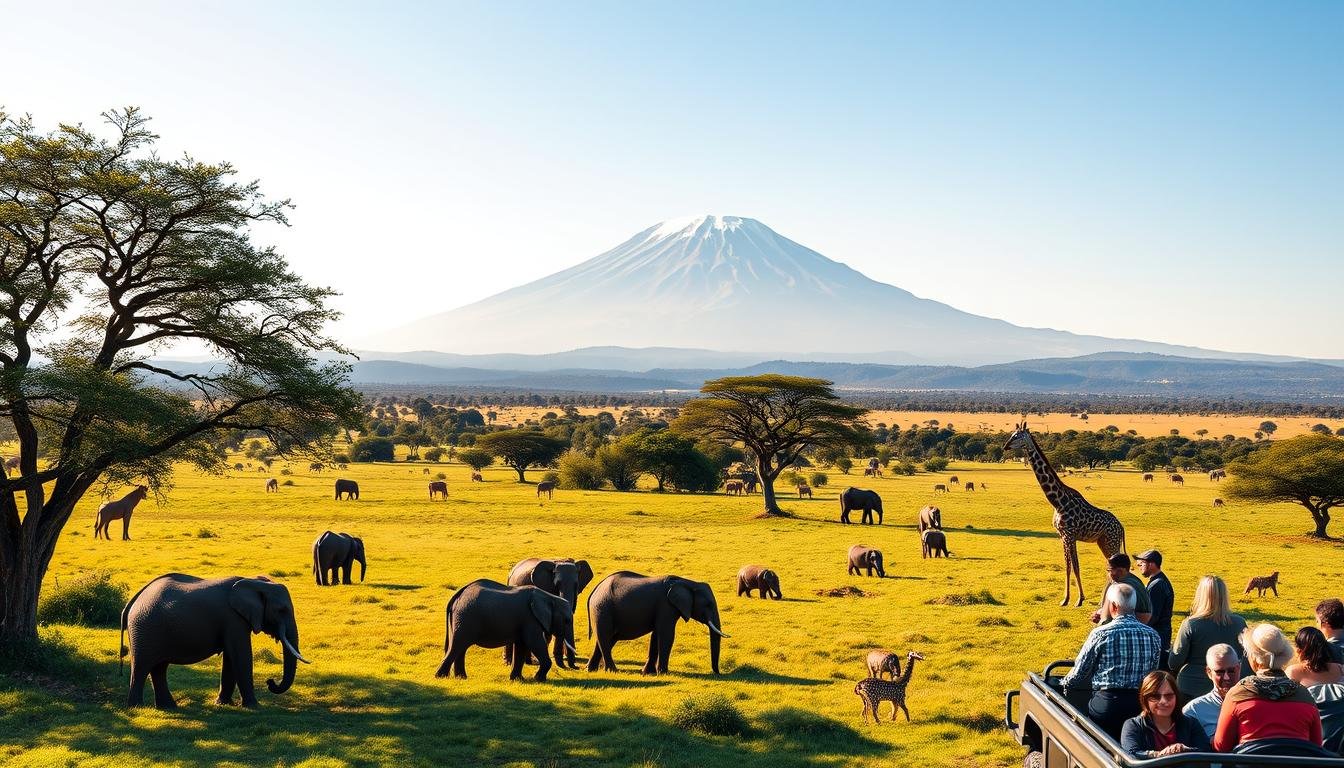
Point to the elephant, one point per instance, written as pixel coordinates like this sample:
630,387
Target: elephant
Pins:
627,606
348,487
494,615
758,577
934,543
865,558
930,517
180,619
338,551
563,577
859,498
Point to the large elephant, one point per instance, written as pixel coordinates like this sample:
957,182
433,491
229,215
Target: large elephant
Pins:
333,552
859,498
180,619
494,615
758,577
627,606
865,558
348,487
563,577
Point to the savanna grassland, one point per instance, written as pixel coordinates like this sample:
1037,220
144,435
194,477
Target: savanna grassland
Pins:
370,699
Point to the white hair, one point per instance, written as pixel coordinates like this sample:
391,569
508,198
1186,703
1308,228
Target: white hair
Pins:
1123,596
1266,647
1220,651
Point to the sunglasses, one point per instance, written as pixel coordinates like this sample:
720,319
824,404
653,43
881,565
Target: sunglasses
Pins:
1226,672
1161,697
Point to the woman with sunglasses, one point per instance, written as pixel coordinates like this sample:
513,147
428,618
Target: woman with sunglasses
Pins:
1160,729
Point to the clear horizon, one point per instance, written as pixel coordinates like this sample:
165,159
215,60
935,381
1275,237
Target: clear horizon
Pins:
1166,173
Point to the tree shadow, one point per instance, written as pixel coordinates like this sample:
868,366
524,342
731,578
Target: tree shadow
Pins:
396,587
1256,614
383,721
1008,532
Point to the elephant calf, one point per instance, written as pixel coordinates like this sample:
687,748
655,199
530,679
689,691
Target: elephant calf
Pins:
494,615
935,543
180,619
758,577
563,577
336,554
628,606
861,558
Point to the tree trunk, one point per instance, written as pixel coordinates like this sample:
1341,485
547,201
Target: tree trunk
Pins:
1322,518
767,478
22,582
520,471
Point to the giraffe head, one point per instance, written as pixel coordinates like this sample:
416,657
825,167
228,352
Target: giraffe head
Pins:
1020,438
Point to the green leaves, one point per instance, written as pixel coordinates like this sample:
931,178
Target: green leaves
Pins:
1307,470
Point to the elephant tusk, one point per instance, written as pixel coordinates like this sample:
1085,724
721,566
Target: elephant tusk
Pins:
571,647
716,630
285,642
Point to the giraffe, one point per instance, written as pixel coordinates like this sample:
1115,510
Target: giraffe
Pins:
1075,519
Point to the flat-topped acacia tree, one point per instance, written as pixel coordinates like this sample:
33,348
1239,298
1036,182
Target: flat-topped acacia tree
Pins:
107,253
775,417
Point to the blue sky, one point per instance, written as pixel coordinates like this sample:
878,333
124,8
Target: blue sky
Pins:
1168,171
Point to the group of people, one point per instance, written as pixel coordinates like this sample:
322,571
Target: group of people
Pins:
1219,686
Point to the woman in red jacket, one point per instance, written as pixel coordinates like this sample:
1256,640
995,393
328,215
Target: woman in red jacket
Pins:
1267,705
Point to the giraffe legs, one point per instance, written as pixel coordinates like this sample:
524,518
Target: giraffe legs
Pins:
1071,571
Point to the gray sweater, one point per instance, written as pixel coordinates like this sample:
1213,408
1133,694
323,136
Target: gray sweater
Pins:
1192,642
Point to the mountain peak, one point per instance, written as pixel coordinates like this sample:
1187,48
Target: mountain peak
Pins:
702,226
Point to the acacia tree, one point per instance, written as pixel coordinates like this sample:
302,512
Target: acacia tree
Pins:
775,417
1307,470
522,448
158,252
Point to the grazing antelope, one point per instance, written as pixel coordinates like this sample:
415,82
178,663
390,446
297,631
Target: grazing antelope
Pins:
952,480
1177,479
547,487
272,485
970,486
1147,477
940,488
804,490
1217,502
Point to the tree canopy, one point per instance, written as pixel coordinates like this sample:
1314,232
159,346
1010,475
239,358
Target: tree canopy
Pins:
109,253
522,448
775,417
1306,470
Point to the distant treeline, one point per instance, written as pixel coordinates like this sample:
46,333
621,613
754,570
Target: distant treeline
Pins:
986,402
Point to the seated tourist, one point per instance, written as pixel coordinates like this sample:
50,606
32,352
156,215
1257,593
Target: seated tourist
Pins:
1314,665
1267,705
1161,729
1114,660
1224,669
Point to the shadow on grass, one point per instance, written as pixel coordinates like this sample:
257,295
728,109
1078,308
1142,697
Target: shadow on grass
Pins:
378,721
397,587
1007,532
1255,614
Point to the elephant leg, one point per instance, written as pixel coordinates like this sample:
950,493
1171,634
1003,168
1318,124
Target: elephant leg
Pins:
537,644
763,590
242,672
163,699
345,573
560,650
665,648
227,682
519,657
509,651
136,697
651,665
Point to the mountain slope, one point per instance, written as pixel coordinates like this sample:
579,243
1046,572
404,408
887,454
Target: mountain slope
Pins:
731,283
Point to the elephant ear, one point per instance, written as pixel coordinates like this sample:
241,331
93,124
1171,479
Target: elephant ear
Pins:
585,573
543,576
543,609
247,597
679,595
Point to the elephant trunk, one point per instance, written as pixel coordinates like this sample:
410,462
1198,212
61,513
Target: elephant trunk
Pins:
291,646
363,568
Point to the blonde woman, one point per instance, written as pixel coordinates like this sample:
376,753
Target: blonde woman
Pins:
1268,704
1210,623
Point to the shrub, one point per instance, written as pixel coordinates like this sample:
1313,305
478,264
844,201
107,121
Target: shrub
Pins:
288,482
373,449
476,458
551,476
819,479
91,600
935,464
440,476
434,454
709,713
844,464
983,597
580,473
206,533
905,468
286,471
790,478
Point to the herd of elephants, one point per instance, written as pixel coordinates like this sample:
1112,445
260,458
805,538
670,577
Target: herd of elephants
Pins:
180,619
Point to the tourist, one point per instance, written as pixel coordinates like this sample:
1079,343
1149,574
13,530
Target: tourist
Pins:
1224,670
1114,660
1330,620
1120,574
1161,729
1211,622
1314,665
1162,597
1267,705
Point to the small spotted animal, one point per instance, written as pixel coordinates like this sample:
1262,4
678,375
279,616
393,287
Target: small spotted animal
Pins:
1262,583
874,691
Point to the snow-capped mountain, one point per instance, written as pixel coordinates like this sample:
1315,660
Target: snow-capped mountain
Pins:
730,283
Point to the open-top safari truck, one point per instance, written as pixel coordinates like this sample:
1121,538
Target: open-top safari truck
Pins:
1053,725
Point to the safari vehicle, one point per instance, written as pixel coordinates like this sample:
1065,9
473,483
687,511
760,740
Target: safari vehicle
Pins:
1052,724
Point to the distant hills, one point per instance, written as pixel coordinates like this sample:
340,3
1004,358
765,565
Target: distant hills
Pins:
1111,373
733,285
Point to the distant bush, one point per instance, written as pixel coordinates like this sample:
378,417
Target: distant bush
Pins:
905,468
91,600
935,464
288,482
476,458
819,479
551,476
790,478
434,454
983,597
440,476
373,449
844,464
286,471
206,533
580,473
709,713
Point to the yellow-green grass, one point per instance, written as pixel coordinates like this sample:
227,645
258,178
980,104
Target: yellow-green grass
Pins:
370,697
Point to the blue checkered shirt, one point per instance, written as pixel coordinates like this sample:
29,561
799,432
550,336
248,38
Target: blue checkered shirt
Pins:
1117,655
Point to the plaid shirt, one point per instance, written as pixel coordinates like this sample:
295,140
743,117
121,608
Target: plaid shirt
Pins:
1117,655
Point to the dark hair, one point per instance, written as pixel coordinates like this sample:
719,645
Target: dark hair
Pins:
1151,685
1331,612
1119,560
1312,649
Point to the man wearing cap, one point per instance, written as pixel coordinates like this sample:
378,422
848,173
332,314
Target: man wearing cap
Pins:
1162,597
1120,574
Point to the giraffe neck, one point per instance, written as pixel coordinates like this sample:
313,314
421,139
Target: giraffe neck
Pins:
1045,474
909,670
